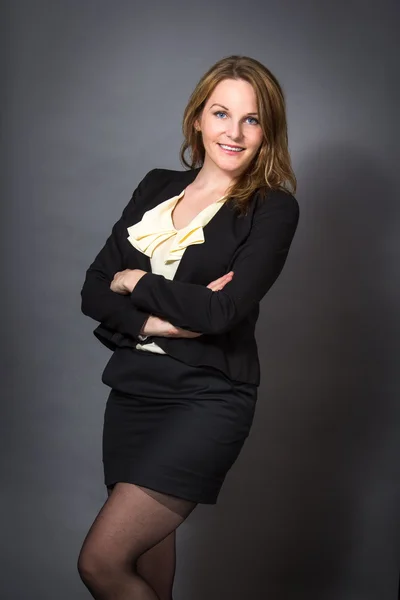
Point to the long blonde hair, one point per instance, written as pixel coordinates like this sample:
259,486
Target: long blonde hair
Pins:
271,167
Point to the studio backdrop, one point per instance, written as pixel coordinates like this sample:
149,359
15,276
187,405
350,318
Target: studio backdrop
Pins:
93,94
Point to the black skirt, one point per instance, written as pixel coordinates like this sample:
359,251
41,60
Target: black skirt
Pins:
172,427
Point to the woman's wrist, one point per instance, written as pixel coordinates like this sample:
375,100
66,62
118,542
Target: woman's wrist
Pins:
132,278
157,327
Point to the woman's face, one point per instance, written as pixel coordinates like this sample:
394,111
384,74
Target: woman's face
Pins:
230,118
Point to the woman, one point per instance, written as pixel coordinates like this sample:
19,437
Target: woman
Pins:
176,290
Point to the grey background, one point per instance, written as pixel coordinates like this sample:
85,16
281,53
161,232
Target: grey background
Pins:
92,99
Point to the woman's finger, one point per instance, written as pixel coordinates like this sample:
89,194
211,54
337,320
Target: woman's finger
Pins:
226,276
221,280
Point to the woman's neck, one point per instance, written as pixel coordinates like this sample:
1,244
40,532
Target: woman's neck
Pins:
212,180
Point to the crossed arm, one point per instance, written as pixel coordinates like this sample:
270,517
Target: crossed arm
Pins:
256,265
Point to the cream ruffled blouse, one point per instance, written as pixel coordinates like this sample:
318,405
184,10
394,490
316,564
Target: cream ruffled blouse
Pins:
156,236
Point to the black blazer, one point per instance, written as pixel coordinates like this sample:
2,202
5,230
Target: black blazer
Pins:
255,246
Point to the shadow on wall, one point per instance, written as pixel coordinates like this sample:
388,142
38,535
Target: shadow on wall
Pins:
308,509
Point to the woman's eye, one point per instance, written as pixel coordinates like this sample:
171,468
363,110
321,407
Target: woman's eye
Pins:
221,112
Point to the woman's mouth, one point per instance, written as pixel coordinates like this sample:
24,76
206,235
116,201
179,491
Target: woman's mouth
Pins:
230,149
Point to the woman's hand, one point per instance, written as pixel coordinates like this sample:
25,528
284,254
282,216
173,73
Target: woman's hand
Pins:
160,327
124,282
220,283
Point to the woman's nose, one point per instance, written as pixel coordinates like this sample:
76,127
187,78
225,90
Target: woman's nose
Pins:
234,131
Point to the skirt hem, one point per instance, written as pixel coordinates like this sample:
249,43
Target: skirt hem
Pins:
166,486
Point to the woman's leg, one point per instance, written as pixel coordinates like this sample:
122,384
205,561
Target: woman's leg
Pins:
157,566
132,520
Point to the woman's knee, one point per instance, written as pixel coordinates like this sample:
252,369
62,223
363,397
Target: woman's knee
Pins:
96,569
89,565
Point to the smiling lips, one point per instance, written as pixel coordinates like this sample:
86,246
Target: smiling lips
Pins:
231,149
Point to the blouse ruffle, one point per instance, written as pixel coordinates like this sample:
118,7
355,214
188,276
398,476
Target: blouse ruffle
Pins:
156,226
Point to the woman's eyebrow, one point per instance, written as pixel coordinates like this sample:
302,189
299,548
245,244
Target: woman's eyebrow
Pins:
225,108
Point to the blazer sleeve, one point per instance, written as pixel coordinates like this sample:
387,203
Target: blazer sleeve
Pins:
256,264
115,311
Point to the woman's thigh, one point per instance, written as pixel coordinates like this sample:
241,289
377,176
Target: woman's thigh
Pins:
133,520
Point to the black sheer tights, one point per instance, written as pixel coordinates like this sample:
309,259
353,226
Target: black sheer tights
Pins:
129,551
